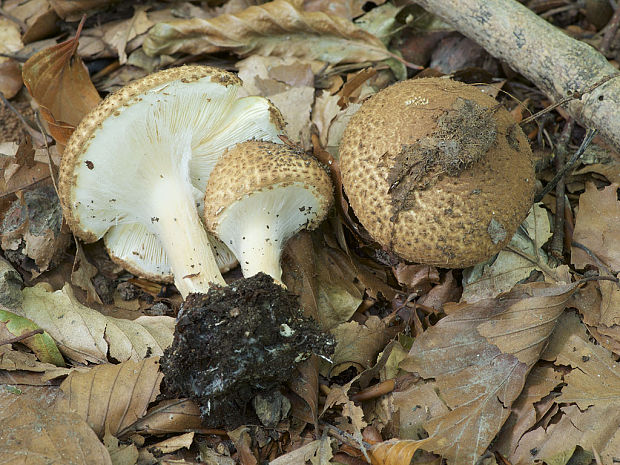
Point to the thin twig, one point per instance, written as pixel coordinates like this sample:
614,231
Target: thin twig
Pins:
344,437
21,337
557,241
569,165
610,33
594,257
574,96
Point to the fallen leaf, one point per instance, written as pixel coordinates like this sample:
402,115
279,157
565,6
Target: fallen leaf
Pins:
514,263
124,32
305,384
10,78
596,227
38,17
169,416
173,444
357,345
112,397
323,113
71,10
43,346
58,80
85,335
395,452
243,443
476,381
294,98
274,28
11,284
317,452
28,424
528,409
596,428
120,454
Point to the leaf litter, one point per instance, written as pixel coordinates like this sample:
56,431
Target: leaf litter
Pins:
430,364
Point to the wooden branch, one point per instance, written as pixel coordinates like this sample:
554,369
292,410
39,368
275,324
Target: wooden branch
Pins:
559,65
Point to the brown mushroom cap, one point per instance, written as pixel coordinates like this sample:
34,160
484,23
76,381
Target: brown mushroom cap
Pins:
437,172
259,195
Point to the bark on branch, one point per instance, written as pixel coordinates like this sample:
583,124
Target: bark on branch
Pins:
558,64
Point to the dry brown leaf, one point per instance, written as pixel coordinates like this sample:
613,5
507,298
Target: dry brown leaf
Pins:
59,82
112,397
395,452
596,227
10,78
274,28
477,382
29,425
169,416
39,17
596,428
72,10
324,277
85,335
514,263
358,345
121,34
173,444
305,384
599,304
293,96
243,443
528,409
323,113
121,454
318,452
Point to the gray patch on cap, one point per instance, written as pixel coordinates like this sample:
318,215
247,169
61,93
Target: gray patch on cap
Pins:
496,231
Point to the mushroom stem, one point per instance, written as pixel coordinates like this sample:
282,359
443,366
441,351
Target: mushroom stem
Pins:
176,222
259,251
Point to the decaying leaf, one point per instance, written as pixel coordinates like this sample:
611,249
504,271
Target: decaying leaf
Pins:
85,335
275,28
596,227
395,452
173,444
112,397
43,346
28,424
306,385
514,263
358,345
59,82
318,452
169,416
531,405
477,380
10,74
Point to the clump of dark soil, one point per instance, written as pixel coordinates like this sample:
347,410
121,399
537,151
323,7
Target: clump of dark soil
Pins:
236,342
464,135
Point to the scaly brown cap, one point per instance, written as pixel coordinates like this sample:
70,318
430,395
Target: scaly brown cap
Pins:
437,172
253,166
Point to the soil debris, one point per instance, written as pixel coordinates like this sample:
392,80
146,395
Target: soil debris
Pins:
237,342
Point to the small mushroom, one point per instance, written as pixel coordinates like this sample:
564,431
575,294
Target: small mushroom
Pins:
138,161
437,172
259,195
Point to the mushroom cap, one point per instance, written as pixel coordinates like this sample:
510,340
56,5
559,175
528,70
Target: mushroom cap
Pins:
254,167
139,251
437,172
190,111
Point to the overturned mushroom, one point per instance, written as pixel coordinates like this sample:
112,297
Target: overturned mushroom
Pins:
142,155
259,195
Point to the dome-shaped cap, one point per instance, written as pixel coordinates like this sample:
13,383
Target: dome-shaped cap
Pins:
437,172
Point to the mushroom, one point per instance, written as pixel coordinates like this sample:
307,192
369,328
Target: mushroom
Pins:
138,161
259,195
437,172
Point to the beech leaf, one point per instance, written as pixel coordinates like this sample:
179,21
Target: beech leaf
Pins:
85,335
477,382
59,82
275,28
112,397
